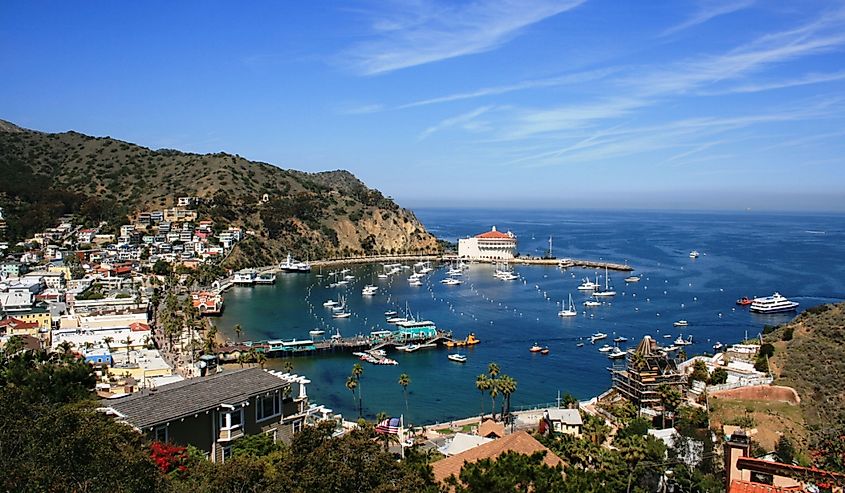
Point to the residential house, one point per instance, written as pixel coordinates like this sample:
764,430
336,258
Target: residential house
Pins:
462,442
211,413
567,421
12,268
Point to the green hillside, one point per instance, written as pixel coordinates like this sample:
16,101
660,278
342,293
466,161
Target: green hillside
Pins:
99,178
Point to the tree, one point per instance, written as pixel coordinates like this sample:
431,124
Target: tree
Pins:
482,383
238,331
357,373
352,385
128,341
288,366
670,399
507,386
162,268
404,381
510,471
261,359
785,450
699,372
719,376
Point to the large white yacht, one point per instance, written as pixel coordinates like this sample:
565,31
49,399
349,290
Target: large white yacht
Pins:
775,303
292,265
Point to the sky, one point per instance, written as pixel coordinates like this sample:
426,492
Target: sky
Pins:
707,104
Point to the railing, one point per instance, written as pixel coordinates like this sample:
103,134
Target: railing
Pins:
742,383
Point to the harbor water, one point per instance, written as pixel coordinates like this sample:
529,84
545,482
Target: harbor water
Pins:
742,254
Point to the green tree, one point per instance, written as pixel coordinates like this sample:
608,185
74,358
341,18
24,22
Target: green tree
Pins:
238,331
507,386
352,385
719,376
404,381
699,372
670,399
510,471
357,373
785,450
482,384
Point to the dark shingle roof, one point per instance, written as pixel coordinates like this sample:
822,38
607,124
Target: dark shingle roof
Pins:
153,407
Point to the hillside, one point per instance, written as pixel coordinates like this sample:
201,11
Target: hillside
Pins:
312,215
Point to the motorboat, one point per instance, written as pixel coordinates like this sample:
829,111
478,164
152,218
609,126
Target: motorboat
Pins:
633,278
369,290
680,341
396,320
471,340
330,303
588,285
680,323
592,303
568,311
450,281
667,336
341,315
544,351
535,348
744,301
597,337
775,303
457,358
316,332
718,346
415,282
620,339
410,348
694,254
669,349
606,348
616,353
391,313
292,265
580,344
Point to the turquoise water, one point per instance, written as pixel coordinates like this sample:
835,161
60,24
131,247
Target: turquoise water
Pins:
743,254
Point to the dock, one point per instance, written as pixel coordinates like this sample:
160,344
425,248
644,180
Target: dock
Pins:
309,347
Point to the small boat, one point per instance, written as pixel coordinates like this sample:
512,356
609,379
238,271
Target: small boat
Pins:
680,341
598,336
391,313
744,301
535,348
471,340
592,303
694,254
620,339
568,312
396,320
457,358
669,349
633,278
316,332
588,285
369,290
341,315
616,353
718,346
450,281
330,303
680,323
544,351
606,348
580,344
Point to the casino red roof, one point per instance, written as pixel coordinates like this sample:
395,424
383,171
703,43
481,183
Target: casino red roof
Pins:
494,235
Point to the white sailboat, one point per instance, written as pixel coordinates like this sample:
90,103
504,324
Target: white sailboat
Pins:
607,291
570,311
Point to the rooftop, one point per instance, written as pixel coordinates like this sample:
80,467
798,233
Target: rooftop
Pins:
153,407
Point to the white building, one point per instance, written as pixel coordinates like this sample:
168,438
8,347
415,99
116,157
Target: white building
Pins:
492,245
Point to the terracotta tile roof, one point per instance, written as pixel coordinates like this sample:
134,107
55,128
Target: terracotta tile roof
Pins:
489,426
494,235
138,327
15,324
738,486
521,442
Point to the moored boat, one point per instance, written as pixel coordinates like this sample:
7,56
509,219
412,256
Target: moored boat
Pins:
680,323
598,336
744,301
535,348
458,358
776,303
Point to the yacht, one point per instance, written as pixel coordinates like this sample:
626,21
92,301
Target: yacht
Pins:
633,278
680,323
616,353
391,313
607,291
694,254
415,282
316,332
457,358
718,346
680,341
535,348
592,303
606,348
369,290
266,278
292,265
330,303
775,303
451,281
620,339
597,337
568,312
246,277
588,285
396,320
341,315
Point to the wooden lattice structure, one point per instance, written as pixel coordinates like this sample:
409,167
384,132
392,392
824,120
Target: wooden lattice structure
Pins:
645,370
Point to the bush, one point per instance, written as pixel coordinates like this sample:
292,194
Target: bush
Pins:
787,334
766,351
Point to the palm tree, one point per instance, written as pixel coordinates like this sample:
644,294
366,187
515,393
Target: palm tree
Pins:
670,399
494,391
507,386
288,366
128,341
352,384
357,373
108,340
252,354
482,383
241,359
493,370
65,348
261,359
404,381
238,331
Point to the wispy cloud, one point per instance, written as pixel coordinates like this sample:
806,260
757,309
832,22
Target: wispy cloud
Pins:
808,79
429,32
467,121
708,10
360,109
563,80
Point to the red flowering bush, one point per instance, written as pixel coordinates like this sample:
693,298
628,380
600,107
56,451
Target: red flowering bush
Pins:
169,457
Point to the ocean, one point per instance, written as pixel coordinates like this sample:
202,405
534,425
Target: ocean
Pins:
742,254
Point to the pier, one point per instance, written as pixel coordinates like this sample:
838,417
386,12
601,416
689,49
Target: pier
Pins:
309,347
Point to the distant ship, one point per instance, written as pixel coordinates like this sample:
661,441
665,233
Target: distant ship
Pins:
292,265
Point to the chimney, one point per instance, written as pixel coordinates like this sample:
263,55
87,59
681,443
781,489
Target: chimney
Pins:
738,445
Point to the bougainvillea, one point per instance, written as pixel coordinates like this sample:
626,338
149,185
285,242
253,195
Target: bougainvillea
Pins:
168,457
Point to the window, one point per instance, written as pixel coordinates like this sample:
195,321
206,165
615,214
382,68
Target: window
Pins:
160,433
227,452
231,419
296,426
267,406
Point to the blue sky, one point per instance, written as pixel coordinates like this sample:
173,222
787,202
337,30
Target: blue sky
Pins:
595,103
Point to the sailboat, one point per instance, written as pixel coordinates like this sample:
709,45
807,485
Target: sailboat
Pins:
570,311
607,291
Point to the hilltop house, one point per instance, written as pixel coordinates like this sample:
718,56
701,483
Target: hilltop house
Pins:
645,370
567,421
212,413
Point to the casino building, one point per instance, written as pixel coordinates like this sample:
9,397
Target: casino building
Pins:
492,245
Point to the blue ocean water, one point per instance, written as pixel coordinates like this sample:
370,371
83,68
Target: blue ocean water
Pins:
742,254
